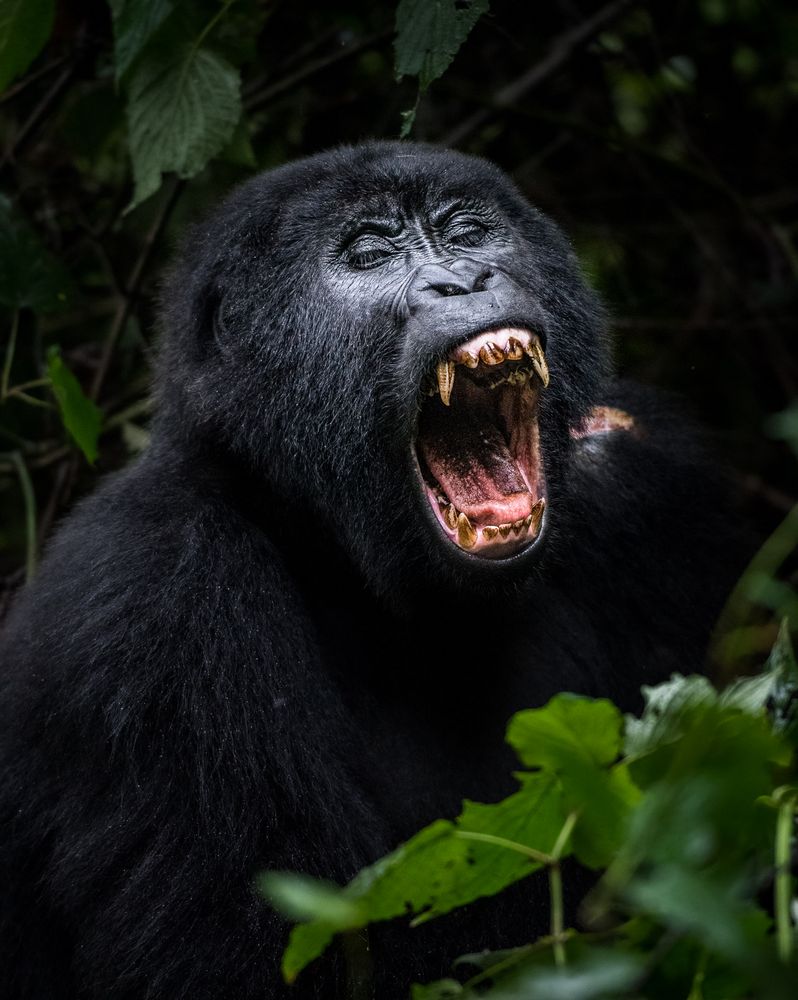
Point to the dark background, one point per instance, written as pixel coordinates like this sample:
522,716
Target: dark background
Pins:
662,137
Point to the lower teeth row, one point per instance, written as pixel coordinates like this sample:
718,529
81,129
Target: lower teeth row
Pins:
467,534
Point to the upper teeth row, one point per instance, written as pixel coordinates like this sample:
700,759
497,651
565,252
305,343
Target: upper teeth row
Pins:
490,353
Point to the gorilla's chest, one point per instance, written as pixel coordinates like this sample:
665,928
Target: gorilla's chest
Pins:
428,697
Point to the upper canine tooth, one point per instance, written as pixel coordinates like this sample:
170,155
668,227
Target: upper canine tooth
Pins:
445,380
514,351
450,516
491,354
535,352
466,535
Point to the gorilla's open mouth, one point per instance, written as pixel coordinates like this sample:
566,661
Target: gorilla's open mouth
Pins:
478,444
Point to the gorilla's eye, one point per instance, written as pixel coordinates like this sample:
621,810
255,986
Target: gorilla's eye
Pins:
368,251
466,232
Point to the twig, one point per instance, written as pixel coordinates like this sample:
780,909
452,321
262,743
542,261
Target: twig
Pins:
559,53
30,513
9,357
133,287
37,114
257,101
25,82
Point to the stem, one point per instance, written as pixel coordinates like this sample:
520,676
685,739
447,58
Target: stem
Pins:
35,383
783,883
17,393
564,834
9,358
765,563
511,845
135,279
213,22
30,514
555,892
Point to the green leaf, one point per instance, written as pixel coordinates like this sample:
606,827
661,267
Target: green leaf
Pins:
304,898
25,26
711,909
600,975
443,989
183,108
80,415
567,729
441,868
29,275
664,711
429,34
135,24
579,739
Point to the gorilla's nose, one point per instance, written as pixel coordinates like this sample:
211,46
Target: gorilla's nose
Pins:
435,281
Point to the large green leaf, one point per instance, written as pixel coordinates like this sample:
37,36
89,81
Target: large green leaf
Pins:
183,107
80,415
25,26
135,24
29,275
444,866
579,739
429,34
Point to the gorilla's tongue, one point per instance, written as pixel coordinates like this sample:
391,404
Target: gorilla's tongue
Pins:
471,461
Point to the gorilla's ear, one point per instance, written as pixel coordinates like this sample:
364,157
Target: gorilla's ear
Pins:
211,333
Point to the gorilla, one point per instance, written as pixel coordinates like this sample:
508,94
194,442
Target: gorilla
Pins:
394,493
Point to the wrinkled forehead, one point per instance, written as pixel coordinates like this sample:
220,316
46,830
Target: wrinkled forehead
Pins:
400,186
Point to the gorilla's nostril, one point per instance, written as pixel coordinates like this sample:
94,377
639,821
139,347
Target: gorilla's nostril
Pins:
447,288
481,280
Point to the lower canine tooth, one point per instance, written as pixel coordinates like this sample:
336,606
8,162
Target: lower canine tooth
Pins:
445,380
490,531
537,514
466,535
450,516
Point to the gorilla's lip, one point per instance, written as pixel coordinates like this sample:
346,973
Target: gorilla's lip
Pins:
477,445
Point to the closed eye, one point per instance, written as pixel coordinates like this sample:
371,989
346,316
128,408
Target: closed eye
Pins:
466,232
368,251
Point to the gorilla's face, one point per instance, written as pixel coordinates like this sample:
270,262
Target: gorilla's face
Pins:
473,352
399,345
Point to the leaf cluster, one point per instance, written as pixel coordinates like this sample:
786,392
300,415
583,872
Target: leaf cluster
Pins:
687,813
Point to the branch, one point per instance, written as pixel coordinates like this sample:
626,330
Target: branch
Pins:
560,51
256,101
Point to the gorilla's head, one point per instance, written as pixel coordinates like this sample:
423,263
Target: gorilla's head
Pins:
398,348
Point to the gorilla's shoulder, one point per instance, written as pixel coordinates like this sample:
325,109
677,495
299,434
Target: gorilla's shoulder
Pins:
156,551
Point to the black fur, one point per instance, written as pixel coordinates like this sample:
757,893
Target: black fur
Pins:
220,665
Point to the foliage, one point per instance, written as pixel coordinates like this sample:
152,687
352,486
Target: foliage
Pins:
688,812
428,35
25,26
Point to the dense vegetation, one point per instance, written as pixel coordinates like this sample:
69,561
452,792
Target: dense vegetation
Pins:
663,137
688,812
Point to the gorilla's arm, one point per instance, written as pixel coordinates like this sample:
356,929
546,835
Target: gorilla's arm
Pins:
158,738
